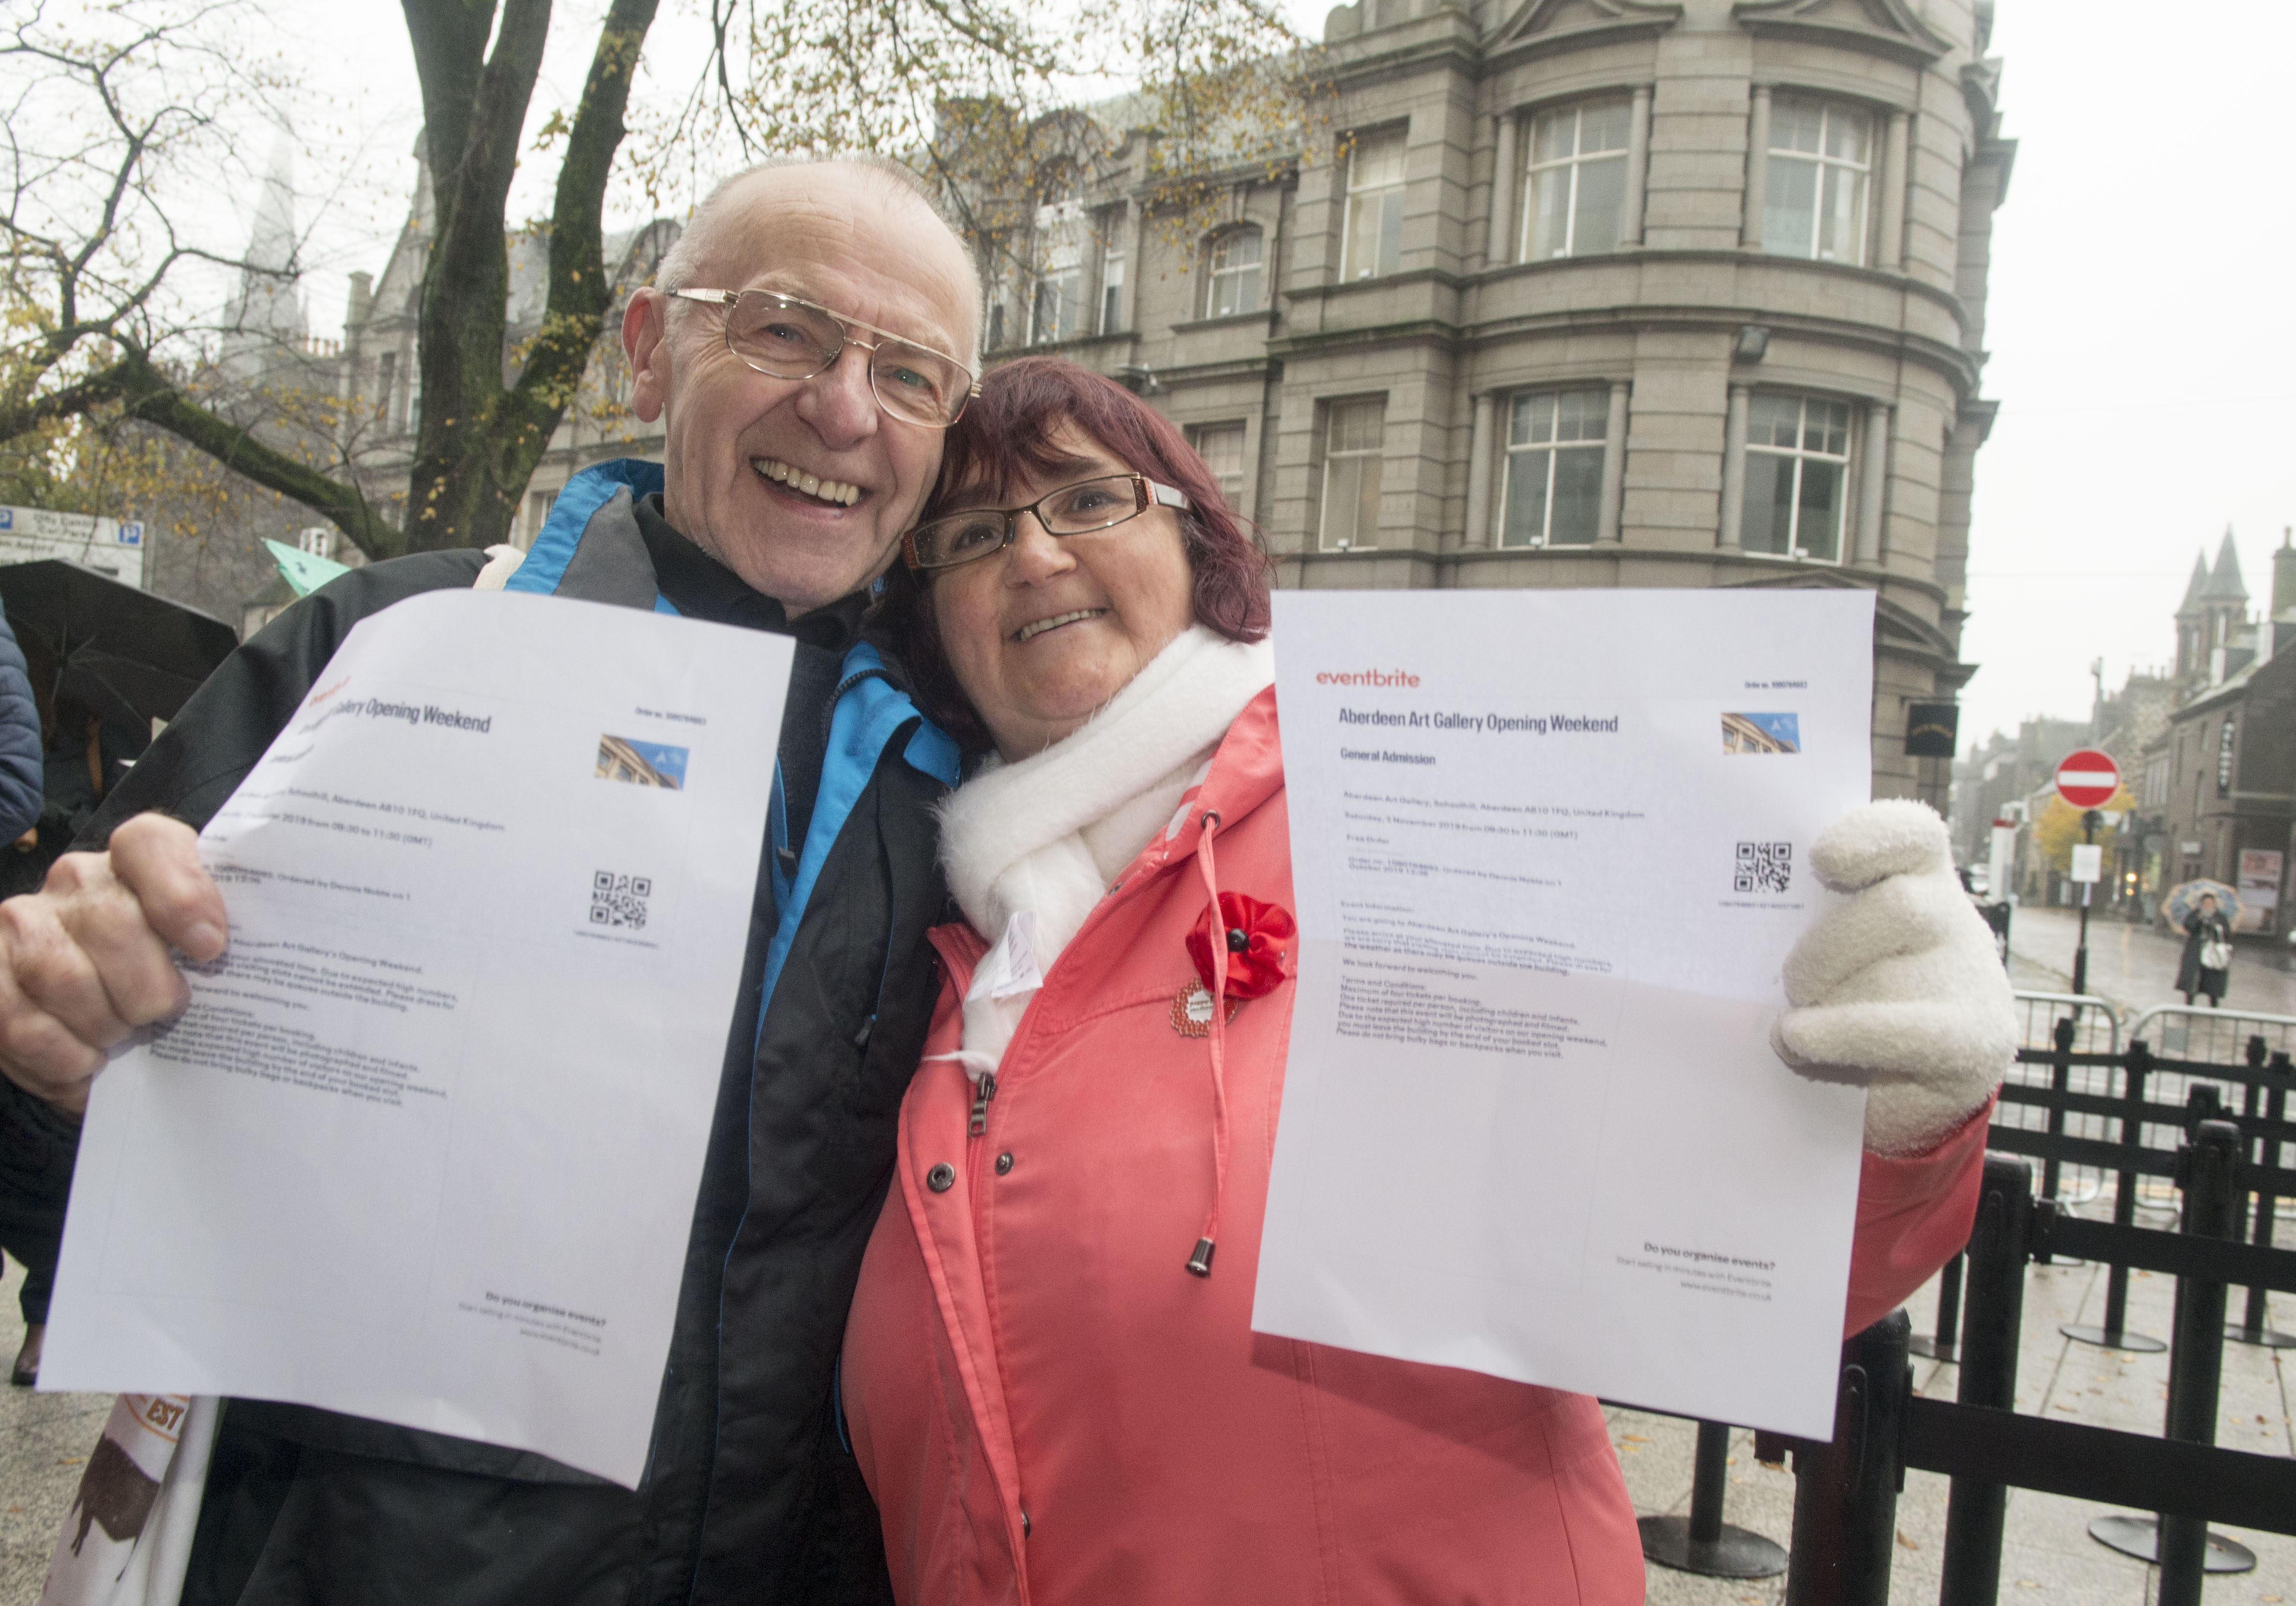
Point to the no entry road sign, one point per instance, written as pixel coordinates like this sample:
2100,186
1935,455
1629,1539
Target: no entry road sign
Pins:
2087,779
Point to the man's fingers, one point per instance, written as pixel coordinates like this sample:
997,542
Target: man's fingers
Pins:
82,951
38,1054
158,859
55,1016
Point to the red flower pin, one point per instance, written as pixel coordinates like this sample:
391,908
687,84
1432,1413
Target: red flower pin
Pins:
1258,945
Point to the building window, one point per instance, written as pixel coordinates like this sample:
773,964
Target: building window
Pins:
1576,189
1221,447
1797,477
1112,292
1232,286
1554,493
1814,199
386,388
1058,312
538,504
1356,432
1374,216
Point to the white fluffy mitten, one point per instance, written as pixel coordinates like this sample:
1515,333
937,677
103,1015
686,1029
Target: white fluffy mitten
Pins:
1900,988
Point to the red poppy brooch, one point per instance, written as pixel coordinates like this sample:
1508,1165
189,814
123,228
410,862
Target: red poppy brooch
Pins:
1259,953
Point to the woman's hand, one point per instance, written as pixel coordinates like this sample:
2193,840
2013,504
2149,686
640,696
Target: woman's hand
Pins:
1901,987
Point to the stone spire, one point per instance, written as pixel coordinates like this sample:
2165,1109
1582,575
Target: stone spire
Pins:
2226,585
268,310
2197,588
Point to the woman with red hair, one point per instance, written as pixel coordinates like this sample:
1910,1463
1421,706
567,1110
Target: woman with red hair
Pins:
1050,1377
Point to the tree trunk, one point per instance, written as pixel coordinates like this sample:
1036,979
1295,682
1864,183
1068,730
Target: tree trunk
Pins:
478,440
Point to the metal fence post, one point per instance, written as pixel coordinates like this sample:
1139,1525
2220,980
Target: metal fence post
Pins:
1846,1491
2208,1170
1946,1344
2266,1203
1998,1249
1703,1543
2137,1069
2061,1071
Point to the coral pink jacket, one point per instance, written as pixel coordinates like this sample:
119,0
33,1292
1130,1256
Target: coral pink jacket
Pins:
1049,1408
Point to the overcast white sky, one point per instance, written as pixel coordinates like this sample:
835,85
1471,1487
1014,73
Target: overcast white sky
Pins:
2142,321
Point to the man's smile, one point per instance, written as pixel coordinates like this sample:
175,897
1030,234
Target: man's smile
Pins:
837,493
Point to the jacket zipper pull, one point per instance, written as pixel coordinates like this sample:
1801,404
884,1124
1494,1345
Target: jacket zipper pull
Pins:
983,1090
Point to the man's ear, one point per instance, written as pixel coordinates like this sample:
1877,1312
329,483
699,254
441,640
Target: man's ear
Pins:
645,342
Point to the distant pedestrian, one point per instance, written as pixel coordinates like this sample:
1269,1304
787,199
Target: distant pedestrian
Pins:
2208,953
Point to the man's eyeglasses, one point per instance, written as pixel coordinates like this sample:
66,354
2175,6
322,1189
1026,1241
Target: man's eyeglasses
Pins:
1077,510
789,339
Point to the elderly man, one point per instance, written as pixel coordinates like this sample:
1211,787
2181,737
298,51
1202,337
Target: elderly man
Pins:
808,340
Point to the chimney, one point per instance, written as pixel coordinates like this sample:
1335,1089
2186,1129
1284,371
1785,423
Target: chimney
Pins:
2283,575
362,302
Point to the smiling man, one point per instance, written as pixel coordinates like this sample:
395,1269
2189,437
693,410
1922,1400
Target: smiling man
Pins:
806,343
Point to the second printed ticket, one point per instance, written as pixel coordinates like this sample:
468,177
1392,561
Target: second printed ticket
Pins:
1550,850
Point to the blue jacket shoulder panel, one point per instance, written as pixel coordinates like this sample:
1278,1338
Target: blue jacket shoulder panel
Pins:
586,494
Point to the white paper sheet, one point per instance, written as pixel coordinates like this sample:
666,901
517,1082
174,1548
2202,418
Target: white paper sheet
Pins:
1551,850
426,1145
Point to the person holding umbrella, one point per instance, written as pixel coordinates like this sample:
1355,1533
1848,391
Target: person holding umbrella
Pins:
2207,960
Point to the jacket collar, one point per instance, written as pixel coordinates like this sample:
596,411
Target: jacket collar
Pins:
1246,770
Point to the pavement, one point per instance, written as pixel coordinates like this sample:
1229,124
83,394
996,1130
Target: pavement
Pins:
45,1440
2135,966
2047,1556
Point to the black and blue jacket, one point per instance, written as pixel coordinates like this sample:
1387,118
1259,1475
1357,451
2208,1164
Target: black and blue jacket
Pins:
748,1495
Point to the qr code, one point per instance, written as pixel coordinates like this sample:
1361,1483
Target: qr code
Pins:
620,900
1765,867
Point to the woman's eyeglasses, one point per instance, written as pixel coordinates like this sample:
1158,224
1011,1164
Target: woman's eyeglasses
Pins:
789,339
1077,510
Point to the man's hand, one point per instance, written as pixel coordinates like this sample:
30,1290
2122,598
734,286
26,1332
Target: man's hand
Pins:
1902,986
84,961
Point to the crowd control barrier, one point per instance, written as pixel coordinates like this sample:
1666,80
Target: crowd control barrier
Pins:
2060,1119
1845,1492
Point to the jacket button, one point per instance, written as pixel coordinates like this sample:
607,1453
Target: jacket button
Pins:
941,1178
1003,1162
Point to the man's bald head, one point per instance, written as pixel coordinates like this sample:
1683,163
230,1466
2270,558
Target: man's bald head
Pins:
744,204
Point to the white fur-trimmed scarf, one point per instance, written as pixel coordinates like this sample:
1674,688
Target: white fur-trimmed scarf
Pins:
1043,838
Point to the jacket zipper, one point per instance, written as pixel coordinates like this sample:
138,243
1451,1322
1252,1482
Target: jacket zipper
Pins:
983,1090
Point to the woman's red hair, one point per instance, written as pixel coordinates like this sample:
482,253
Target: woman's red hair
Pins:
1006,436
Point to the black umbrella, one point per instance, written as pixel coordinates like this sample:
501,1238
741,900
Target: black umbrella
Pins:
123,652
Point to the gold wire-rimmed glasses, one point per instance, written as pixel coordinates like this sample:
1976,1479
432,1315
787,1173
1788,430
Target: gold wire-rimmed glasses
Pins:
794,339
1098,502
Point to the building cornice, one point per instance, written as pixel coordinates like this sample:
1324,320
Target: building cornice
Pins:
1734,256
1892,27
1442,38
1527,35
1960,366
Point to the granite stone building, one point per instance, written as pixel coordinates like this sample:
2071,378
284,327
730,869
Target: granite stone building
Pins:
1585,292
2218,783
